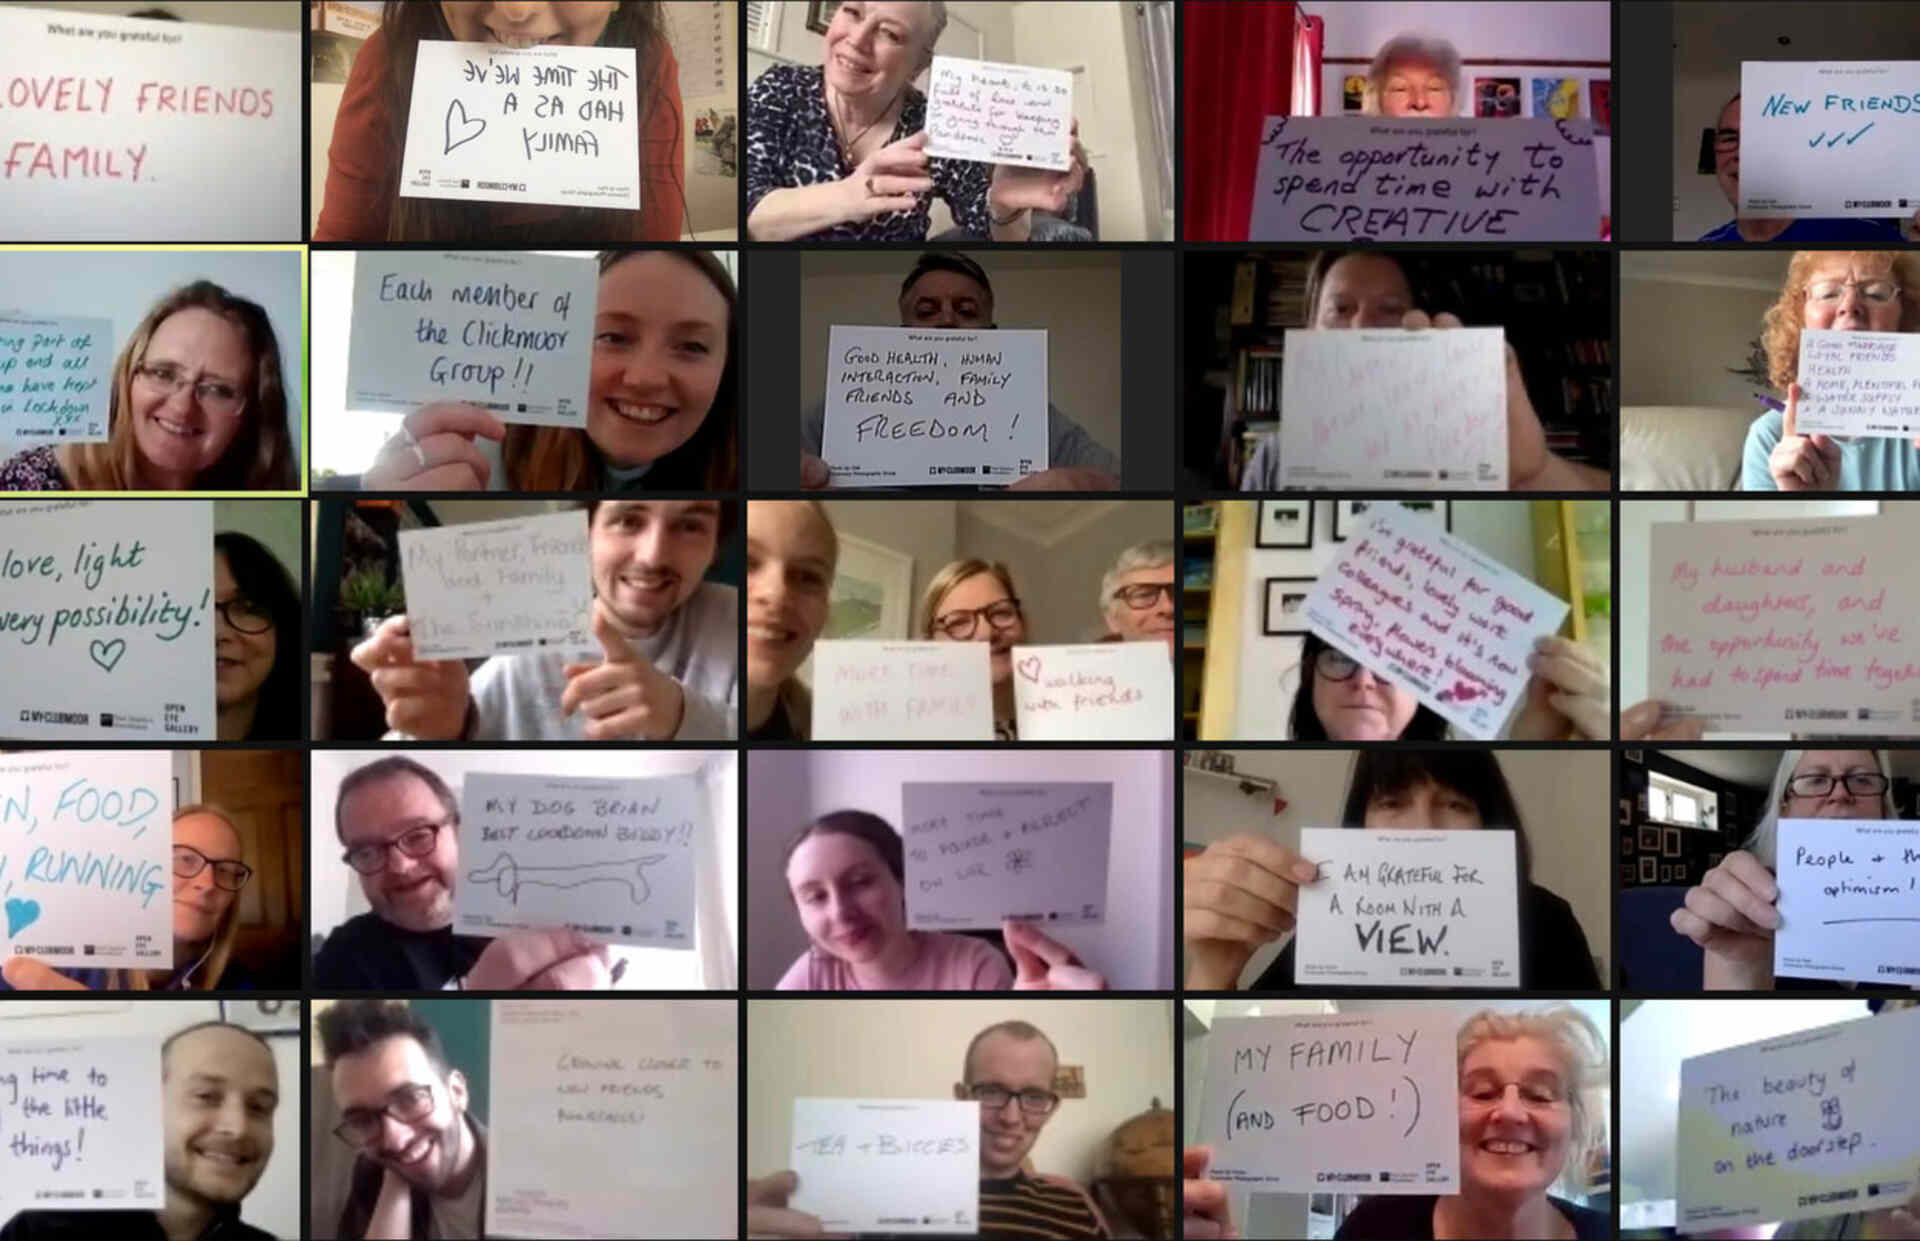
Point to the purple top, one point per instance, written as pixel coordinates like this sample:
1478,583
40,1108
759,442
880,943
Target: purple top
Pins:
944,963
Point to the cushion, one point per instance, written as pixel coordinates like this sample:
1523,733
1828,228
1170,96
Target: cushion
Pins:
1682,447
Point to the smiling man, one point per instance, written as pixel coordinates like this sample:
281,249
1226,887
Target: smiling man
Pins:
1137,595
219,1089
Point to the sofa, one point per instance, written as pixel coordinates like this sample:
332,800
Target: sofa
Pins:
1682,447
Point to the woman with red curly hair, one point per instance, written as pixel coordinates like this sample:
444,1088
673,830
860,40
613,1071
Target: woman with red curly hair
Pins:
1841,291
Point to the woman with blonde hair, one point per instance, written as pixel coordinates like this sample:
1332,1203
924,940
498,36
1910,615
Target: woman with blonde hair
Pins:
1839,291
792,552
197,401
209,874
974,601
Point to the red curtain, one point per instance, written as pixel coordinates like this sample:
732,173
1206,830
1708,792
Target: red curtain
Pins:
1239,70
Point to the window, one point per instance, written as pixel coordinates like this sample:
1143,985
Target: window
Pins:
1681,804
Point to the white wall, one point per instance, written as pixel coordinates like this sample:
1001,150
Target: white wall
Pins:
257,14
1133,948
912,1049
1269,667
275,523
926,530
1075,296
123,285
274,1203
337,896
1563,796
1685,319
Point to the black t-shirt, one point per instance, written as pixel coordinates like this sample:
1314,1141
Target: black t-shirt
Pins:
368,952
778,726
1410,1218
1553,952
226,1225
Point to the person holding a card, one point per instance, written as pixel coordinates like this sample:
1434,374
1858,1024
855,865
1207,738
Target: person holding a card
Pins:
1726,170
846,875
839,153
662,397
792,551
197,401
1354,289
363,201
1138,595
1243,893
668,642
1838,291
948,290
974,601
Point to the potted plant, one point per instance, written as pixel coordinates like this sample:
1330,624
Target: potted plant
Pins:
368,598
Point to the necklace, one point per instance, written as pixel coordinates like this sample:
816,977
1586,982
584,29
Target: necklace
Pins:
839,126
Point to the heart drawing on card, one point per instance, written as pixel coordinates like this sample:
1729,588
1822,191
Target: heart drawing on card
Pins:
107,654
470,127
21,915
1030,668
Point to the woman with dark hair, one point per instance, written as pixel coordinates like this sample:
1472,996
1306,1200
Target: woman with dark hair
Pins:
1242,893
197,402
256,651
846,876
662,399
363,202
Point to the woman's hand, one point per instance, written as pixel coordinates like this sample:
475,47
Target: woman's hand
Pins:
434,451
1015,187
768,1214
1205,1210
1901,1223
624,695
1731,915
425,699
1569,697
27,974
1238,895
890,179
1802,462
1042,963
1651,721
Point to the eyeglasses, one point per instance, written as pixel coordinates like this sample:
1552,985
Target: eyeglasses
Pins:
962,622
245,615
1879,292
1144,595
189,861
360,1126
371,858
215,396
1331,665
994,1096
1859,783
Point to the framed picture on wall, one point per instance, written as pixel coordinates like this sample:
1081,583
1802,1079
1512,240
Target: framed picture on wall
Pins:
1626,843
1433,510
819,13
1649,838
1347,515
1284,523
1626,874
1285,610
1669,842
1649,869
1626,811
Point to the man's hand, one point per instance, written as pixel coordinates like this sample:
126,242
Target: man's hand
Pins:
558,959
623,696
767,1213
1205,1210
1067,478
426,699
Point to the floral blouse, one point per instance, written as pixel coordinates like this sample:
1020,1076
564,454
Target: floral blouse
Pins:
37,469
790,143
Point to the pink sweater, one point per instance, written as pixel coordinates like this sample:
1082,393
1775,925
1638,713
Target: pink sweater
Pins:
944,963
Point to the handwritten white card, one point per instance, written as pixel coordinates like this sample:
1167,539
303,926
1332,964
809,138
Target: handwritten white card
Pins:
1114,691
981,853
1849,900
887,1165
1393,410
621,1118
1829,138
1859,383
83,1125
128,129
613,858
53,378
1801,625
913,407
1409,909
1434,614
902,691
1804,1125
86,857
1000,114
522,584
106,620
507,330
1362,178
546,124
1361,1103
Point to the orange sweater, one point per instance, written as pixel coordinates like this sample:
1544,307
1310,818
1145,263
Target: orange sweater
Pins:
362,161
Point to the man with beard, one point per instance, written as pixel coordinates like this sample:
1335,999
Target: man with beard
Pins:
399,824
219,1089
1137,595
421,1167
669,644
1008,1069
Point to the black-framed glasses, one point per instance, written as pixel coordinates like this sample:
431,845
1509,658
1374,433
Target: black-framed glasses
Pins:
371,858
216,396
409,1104
1142,595
244,615
1033,1101
189,861
1819,784
1332,665
961,623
